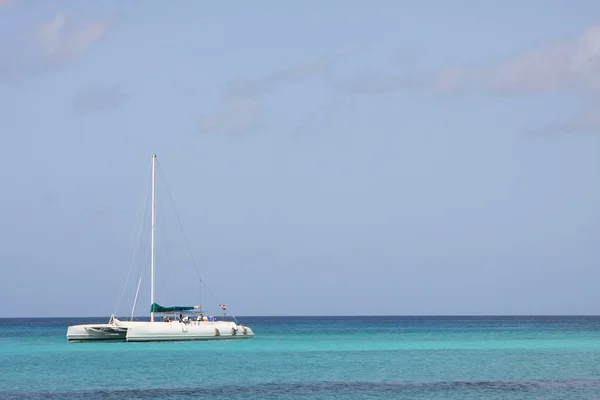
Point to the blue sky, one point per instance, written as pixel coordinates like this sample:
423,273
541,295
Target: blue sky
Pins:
330,157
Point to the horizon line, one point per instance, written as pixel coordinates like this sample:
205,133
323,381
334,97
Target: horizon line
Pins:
338,316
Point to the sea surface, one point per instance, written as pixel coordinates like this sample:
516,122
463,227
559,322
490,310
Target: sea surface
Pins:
314,358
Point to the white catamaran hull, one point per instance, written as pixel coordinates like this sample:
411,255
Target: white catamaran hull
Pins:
194,330
142,331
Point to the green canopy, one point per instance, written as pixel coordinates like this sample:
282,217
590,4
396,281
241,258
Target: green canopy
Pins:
158,308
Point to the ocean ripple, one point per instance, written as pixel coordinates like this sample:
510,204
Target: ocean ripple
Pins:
323,390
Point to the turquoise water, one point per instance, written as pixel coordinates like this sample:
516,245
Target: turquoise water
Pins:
314,358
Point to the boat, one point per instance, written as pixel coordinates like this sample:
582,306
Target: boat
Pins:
171,327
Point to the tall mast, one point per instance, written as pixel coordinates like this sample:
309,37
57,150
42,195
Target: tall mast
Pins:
153,234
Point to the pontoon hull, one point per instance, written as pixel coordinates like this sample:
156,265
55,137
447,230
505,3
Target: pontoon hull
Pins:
178,331
142,331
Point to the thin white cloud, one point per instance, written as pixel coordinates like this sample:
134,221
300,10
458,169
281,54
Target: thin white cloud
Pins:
298,72
241,112
572,64
376,83
98,98
451,79
65,37
49,45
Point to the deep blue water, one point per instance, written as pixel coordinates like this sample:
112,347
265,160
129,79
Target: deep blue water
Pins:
314,358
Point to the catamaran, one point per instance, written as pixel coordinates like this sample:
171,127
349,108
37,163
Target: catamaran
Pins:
170,327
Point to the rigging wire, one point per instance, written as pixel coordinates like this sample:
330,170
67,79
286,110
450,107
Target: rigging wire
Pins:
133,248
201,281
166,283
145,245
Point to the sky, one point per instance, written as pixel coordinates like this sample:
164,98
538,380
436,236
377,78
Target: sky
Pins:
323,157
